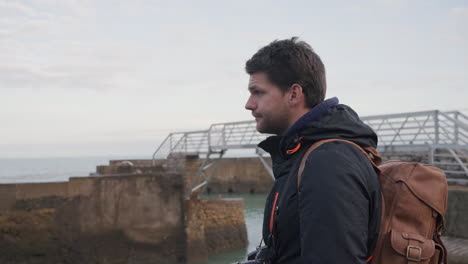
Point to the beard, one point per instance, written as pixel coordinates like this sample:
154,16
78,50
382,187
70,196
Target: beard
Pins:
269,125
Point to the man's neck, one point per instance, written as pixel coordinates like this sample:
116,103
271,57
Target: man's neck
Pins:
300,119
295,115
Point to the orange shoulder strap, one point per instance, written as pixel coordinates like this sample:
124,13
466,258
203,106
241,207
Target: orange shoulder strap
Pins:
371,154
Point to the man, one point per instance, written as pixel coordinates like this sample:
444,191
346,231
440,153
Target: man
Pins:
333,215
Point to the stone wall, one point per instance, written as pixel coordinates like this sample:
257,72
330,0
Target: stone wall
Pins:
27,237
130,208
244,175
209,231
240,175
95,220
7,196
457,212
138,218
227,175
10,193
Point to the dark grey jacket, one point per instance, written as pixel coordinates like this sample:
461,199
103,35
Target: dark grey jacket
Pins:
334,215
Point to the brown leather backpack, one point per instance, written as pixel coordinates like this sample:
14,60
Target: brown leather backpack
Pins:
414,201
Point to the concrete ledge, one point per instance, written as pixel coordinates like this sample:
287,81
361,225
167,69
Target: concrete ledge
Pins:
214,226
7,196
29,236
36,190
233,175
107,220
141,218
457,212
457,250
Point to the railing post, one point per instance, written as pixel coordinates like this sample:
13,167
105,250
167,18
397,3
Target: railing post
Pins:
170,142
456,128
209,139
185,142
431,155
224,136
436,126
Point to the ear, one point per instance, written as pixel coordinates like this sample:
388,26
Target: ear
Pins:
296,95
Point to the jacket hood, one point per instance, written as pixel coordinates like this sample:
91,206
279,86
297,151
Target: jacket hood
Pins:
340,122
325,121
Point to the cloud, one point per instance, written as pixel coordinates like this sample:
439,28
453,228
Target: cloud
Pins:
69,64
6,21
8,8
459,17
61,46
5,33
60,8
43,18
27,28
393,4
67,77
454,27
459,11
377,6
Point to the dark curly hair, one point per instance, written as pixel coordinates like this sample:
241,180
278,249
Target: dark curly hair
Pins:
291,61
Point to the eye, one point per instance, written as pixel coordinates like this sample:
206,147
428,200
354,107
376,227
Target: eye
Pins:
257,92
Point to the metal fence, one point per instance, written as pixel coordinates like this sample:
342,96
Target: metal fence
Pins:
428,131
195,142
418,131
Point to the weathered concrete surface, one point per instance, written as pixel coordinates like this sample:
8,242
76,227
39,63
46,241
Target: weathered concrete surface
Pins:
457,212
457,250
185,165
246,175
7,196
26,237
31,190
146,212
10,193
130,167
124,219
240,175
232,175
209,231
139,218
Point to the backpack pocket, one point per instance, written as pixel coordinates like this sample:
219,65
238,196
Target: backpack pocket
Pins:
412,247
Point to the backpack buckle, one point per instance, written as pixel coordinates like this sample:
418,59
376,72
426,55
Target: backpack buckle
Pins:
410,250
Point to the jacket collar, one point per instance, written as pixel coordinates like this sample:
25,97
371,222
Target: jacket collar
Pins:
278,145
312,116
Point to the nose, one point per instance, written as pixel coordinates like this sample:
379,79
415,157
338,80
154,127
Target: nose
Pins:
250,104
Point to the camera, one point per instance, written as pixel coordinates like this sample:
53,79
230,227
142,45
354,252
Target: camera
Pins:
262,255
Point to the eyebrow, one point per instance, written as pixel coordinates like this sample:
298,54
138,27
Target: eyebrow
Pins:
253,87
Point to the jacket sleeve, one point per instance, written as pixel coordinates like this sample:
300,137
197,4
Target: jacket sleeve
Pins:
334,207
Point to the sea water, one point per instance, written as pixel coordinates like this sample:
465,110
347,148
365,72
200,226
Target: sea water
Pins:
48,169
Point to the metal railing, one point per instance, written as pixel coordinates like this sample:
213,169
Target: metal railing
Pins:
234,135
404,132
195,142
419,128
219,137
406,129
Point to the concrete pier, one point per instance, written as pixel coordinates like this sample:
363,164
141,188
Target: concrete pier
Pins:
142,218
140,214
247,175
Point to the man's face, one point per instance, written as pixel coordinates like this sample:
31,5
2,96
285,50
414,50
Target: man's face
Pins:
269,105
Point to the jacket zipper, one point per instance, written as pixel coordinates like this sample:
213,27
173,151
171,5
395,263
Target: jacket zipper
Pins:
272,216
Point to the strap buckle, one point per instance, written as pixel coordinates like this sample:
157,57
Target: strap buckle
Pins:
410,256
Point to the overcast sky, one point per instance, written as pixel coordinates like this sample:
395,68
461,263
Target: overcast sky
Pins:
87,78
